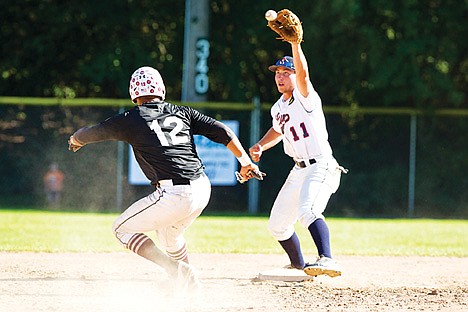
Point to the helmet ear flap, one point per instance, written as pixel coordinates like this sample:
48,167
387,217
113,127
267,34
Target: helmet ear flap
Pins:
146,81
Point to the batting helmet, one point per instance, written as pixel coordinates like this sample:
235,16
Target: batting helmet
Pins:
146,81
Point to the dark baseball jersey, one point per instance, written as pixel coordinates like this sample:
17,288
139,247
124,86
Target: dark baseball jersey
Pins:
161,136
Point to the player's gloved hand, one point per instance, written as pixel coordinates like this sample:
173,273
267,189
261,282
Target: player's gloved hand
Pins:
248,172
256,152
73,144
288,26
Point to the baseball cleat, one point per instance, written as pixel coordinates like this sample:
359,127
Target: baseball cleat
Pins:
292,267
187,280
323,266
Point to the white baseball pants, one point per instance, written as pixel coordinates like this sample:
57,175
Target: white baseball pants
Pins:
304,197
168,211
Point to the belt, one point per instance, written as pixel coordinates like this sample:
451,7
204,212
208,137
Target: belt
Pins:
178,181
305,163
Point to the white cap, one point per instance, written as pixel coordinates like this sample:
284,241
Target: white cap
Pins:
146,81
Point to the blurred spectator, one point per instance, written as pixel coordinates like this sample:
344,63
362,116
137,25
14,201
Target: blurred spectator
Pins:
53,184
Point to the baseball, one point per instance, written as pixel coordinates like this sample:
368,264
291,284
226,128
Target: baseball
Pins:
270,15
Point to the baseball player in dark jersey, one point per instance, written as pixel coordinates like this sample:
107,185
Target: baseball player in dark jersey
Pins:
161,136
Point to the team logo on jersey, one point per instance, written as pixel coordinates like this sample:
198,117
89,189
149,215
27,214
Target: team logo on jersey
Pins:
282,119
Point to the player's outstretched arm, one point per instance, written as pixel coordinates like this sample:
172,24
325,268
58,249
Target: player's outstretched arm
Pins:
248,169
220,133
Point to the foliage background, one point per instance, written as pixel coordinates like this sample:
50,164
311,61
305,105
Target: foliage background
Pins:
403,53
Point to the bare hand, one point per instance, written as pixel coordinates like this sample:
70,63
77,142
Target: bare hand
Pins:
256,152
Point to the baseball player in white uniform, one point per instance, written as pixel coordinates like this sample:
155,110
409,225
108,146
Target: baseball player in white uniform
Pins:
298,120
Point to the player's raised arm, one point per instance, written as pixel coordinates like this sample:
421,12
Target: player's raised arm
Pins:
302,71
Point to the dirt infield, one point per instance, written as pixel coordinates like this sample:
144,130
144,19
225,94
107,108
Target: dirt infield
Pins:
125,282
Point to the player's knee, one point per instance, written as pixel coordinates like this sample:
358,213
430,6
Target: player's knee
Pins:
271,228
115,228
280,232
308,218
121,236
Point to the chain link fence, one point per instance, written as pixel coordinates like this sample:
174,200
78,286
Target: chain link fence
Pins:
403,163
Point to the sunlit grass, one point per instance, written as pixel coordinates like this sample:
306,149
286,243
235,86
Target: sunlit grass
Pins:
403,237
56,231
45,231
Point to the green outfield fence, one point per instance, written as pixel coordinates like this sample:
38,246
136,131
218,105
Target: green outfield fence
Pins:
361,136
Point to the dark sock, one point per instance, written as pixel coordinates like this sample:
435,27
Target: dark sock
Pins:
293,249
321,235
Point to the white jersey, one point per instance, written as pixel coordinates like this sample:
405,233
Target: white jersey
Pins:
302,123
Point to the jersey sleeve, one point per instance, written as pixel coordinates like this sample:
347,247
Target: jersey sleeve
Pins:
111,129
310,102
211,128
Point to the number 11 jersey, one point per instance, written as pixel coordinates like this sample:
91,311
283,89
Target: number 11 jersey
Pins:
302,123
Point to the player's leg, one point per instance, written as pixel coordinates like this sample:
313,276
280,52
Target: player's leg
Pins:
146,215
173,242
318,186
144,246
292,247
283,216
179,254
313,219
196,196
171,237
321,183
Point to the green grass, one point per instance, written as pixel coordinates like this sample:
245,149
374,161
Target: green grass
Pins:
46,231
